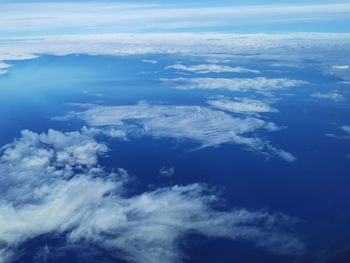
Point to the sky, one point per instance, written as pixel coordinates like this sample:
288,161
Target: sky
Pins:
34,18
252,90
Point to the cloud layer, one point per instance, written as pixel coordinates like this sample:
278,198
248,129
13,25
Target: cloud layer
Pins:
53,183
120,17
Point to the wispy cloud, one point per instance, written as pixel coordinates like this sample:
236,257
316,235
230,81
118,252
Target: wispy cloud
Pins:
114,17
242,105
53,183
211,68
334,96
344,135
194,123
233,84
3,68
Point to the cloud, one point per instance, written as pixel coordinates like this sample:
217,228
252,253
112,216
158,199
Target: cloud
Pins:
346,133
329,96
44,192
341,67
234,84
242,105
117,18
3,68
200,124
281,47
167,172
211,68
149,61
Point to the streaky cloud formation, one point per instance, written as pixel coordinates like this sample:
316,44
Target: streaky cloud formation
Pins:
47,187
341,67
234,84
3,68
91,17
242,105
196,123
334,96
346,133
211,68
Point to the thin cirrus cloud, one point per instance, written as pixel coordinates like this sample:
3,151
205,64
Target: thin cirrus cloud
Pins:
345,133
211,68
3,68
35,18
234,84
199,124
242,105
53,183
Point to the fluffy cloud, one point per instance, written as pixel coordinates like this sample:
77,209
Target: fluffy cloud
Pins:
328,96
233,84
44,191
242,105
196,123
208,68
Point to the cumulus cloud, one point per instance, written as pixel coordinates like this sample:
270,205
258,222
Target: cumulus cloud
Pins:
334,96
242,105
53,183
233,84
195,123
211,68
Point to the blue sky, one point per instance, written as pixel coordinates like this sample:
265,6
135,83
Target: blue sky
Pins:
30,18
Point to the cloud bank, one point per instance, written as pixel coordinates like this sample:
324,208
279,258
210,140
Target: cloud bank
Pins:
53,183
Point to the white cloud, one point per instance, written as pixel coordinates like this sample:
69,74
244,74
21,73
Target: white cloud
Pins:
346,133
3,68
150,61
195,123
329,96
115,17
346,129
167,172
234,84
341,67
214,68
242,105
87,204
